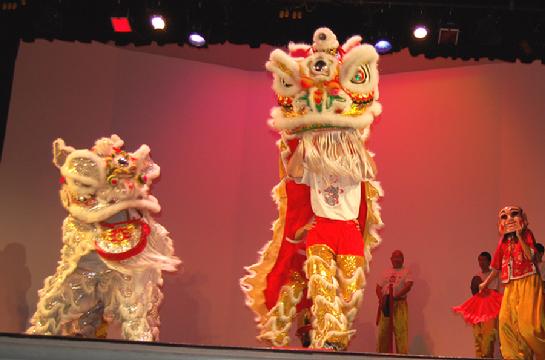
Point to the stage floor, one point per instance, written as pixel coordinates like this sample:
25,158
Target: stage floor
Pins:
19,347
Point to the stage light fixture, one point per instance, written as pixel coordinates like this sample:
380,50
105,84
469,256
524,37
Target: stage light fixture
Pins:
420,32
121,24
383,46
158,22
119,17
449,31
448,36
196,39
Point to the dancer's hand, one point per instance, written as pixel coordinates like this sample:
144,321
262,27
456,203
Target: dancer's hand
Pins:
302,232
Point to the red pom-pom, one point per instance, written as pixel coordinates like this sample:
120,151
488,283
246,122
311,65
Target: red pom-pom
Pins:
300,53
62,180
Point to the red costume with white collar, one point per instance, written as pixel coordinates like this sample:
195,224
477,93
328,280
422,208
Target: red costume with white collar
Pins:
509,257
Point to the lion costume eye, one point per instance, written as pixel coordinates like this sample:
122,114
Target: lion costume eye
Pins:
285,83
122,161
362,75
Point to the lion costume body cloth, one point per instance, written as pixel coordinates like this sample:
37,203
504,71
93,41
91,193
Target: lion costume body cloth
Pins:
314,266
113,251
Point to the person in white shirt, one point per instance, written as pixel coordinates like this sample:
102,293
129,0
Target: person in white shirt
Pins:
484,259
393,309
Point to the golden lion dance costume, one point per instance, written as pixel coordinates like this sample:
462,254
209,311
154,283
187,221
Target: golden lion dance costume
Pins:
327,196
113,251
522,317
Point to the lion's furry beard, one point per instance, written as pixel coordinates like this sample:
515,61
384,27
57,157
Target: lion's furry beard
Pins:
334,152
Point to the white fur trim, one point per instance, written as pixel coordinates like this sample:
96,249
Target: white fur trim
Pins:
144,162
100,214
85,180
61,152
351,43
279,122
104,146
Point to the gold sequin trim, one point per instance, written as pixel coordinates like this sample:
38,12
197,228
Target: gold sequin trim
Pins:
349,264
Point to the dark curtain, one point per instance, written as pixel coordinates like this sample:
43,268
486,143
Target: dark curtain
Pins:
9,45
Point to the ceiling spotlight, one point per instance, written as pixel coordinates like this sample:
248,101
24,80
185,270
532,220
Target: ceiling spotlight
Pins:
420,32
383,46
158,22
196,39
121,24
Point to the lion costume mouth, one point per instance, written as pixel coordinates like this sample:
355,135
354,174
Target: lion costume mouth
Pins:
314,127
102,211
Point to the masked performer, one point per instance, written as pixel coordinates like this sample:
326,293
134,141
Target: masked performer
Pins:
113,251
327,197
521,318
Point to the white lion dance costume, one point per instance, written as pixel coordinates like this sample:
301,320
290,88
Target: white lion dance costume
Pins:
327,197
113,251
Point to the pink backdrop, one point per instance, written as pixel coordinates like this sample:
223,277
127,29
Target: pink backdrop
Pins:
453,146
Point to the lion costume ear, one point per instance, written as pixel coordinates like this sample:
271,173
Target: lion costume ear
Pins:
60,152
145,164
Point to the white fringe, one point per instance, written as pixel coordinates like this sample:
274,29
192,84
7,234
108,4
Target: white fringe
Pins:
336,152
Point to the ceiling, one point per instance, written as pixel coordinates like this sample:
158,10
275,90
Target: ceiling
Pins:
508,30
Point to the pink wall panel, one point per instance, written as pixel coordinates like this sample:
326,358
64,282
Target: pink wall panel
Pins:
452,145
61,90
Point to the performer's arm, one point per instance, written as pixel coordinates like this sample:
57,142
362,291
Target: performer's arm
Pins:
404,291
302,232
528,252
475,282
379,291
488,280
295,164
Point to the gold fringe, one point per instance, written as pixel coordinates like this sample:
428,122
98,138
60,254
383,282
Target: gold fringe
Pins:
254,284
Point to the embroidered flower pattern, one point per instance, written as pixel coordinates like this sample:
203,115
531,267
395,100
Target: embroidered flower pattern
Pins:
120,234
